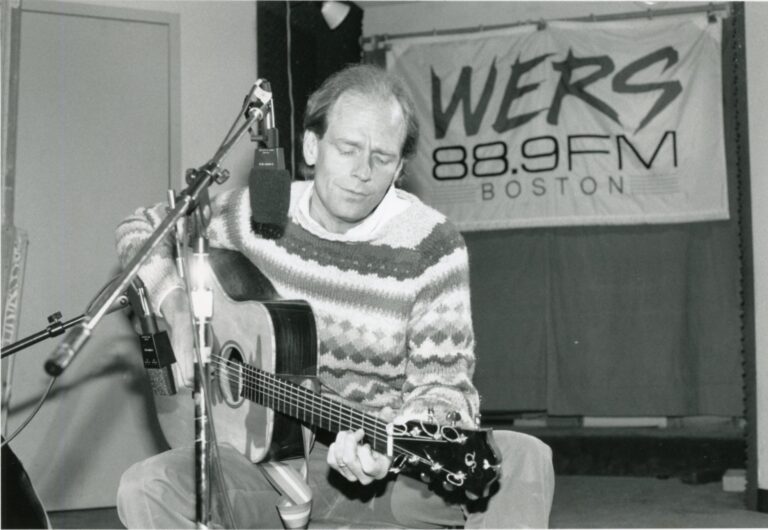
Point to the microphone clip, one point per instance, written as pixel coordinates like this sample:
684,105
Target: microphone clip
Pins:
156,349
258,99
264,133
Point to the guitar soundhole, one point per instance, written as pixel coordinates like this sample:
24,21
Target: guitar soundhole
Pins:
231,375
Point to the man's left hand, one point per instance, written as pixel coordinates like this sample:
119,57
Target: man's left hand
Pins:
355,460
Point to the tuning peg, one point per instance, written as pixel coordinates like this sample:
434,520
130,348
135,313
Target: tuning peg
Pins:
454,417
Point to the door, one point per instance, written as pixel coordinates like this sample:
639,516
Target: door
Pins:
97,136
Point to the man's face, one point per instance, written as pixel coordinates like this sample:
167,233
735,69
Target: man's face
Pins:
356,160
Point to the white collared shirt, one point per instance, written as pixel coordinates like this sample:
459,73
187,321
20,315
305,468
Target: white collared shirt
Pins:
390,206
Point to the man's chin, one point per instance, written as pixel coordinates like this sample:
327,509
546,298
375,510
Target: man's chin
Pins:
355,215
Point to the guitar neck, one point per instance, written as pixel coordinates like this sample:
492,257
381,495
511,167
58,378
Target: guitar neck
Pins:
307,406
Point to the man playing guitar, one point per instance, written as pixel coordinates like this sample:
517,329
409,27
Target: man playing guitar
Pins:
387,279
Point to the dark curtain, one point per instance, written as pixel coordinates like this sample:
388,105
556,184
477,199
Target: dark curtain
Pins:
316,52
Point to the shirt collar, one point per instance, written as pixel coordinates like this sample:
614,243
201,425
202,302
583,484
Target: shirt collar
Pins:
390,206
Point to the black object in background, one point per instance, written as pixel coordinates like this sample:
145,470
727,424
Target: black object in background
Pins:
316,53
21,506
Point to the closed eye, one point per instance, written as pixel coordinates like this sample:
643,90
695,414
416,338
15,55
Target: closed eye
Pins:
383,160
346,149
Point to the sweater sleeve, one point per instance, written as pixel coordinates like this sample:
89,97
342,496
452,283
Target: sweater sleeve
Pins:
441,357
159,272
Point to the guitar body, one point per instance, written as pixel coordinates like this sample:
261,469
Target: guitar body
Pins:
250,326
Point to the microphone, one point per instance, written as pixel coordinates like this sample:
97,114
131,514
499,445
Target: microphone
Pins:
270,192
67,349
156,349
269,184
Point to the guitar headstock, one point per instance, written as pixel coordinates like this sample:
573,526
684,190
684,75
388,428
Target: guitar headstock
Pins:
464,459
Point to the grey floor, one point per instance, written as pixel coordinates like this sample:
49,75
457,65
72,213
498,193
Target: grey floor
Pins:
632,502
586,502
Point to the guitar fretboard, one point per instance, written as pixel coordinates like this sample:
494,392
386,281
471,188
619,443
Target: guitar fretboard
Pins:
305,405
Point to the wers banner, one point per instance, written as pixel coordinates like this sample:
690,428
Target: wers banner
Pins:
572,124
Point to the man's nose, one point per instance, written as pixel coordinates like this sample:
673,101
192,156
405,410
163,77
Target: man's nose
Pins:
363,166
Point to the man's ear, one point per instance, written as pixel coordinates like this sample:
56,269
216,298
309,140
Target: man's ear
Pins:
310,148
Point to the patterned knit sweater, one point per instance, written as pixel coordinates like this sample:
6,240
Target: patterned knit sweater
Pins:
393,310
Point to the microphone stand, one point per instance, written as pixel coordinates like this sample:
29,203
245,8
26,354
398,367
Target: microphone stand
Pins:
198,182
56,328
201,298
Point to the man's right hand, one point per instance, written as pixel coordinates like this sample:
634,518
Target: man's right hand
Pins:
175,312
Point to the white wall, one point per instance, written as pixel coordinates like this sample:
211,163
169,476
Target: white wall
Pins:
756,17
217,54
218,67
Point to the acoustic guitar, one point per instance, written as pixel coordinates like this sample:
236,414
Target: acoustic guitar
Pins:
263,358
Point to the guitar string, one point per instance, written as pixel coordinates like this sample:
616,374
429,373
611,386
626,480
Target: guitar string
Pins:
272,380
300,392
236,378
318,402
326,413
290,389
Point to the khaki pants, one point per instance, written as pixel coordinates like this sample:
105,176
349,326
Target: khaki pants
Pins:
160,493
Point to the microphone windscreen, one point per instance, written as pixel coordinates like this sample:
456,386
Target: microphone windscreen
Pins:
270,191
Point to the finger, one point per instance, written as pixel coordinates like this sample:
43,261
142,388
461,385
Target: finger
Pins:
372,464
358,435
333,462
368,467
335,457
340,448
384,463
351,458
364,465
349,452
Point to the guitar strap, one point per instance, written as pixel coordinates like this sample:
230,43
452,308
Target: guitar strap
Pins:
295,505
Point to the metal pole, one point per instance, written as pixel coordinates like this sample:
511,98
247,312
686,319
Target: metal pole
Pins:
383,40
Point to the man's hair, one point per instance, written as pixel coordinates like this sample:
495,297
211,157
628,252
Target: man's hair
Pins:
367,80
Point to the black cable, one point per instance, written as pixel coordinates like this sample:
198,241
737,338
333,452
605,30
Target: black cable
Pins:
290,88
32,415
101,292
